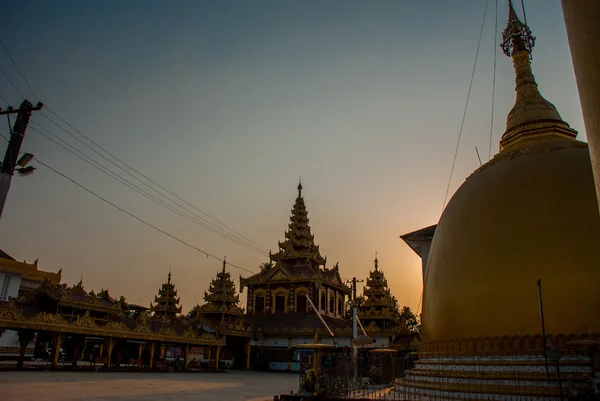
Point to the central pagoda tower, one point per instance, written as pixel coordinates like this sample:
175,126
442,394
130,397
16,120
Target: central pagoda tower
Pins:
295,272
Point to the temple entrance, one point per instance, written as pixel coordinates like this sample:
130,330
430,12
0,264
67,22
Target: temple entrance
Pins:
236,352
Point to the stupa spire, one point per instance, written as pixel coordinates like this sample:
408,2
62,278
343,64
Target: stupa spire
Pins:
300,187
532,116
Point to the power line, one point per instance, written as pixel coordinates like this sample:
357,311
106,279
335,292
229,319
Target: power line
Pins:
207,224
208,255
241,238
81,155
151,180
20,72
494,81
462,124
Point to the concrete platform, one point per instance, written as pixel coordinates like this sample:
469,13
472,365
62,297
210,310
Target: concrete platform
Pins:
70,386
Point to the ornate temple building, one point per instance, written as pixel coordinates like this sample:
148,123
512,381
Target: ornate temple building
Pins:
277,297
294,299
521,232
17,279
166,303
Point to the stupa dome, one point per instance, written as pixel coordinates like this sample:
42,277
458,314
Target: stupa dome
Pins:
526,215
529,213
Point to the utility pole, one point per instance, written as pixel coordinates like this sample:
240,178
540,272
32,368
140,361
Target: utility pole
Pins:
541,305
354,327
17,135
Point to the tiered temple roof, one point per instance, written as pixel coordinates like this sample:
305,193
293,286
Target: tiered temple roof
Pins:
166,303
298,258
221,306
379,307
221,298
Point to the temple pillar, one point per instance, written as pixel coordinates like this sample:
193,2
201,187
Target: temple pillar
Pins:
109,349
162,350
25,337
218,356
248,353
140,350
76,340
583,32
186,356
83,350
56,348
289,367
101,350
209,353
151,349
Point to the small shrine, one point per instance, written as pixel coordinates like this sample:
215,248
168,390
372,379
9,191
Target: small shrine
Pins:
166,303
379,310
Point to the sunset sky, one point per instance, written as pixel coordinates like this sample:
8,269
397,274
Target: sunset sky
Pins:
227,103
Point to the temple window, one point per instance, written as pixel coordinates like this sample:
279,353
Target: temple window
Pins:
340,307
259,305
323,303
280,303
331,305
301,302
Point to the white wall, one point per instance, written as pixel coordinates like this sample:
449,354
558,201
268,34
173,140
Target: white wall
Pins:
9,285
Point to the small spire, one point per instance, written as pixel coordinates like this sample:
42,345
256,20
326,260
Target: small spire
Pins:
169,278
224,263
300,187
376,262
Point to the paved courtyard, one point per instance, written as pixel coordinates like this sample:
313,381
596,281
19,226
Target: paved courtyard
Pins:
69,386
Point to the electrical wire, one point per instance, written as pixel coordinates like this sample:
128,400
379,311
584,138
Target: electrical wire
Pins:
434,243
208,255
20,73
82,156
494,81
240,237
206,224
462,124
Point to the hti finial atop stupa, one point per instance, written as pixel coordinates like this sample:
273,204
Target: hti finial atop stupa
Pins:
532,116
300,187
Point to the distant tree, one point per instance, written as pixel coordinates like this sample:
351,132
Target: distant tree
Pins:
265,266
192,312
411,320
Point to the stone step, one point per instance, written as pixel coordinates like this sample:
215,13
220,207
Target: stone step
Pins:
474,390
480,374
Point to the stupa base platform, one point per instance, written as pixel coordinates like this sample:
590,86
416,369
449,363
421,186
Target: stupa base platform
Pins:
502,378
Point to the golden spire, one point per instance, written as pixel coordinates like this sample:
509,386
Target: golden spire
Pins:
532,115
300,187
376,262
224,263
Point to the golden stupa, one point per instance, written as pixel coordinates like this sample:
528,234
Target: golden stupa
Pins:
528,214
